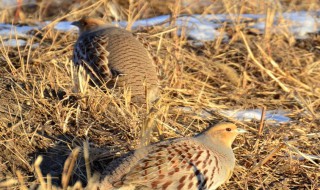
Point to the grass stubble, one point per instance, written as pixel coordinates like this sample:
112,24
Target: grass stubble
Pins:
51,137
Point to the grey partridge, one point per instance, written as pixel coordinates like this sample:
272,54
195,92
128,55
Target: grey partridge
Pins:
113,57
202,162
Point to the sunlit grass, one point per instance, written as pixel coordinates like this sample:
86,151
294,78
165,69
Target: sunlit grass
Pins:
41,114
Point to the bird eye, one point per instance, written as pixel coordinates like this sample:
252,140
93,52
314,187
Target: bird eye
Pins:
228,129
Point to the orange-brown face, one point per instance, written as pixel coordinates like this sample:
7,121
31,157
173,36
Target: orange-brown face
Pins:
87,24
224,132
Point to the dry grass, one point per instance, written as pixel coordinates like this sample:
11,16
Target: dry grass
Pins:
39,114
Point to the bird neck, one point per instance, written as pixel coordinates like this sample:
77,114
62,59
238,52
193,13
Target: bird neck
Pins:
216,145
219,148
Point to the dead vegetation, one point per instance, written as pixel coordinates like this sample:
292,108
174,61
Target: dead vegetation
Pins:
39,114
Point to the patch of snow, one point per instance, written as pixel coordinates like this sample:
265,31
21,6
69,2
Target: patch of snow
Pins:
277,116
14,43
272,116
196,27
8,30
17,43
201,27
146,22
204,27
63,26
300,24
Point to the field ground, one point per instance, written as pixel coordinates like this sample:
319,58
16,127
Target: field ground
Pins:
39,114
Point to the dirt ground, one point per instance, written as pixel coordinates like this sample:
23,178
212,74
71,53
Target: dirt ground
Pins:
40,115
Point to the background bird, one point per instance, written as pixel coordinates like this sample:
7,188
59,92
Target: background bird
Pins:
201,162
113,57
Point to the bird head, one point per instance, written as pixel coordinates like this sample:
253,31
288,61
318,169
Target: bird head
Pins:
224,132
87,24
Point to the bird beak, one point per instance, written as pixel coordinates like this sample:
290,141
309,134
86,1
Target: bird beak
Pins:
75,23
239,130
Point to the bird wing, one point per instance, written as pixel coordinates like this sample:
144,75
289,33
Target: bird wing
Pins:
172,165
91,53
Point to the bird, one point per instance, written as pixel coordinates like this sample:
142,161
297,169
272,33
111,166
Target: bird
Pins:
113,57
202,162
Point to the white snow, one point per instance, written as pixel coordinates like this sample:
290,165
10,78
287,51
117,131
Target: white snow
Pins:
272,116
146,22
297,23
16,42
196,26
277,116
11,35
200,27
10,31
302,23
63,26
13,43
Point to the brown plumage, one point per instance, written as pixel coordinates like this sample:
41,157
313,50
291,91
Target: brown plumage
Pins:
202,162
113,57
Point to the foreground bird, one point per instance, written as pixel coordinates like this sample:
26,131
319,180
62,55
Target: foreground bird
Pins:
202,162
113,57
